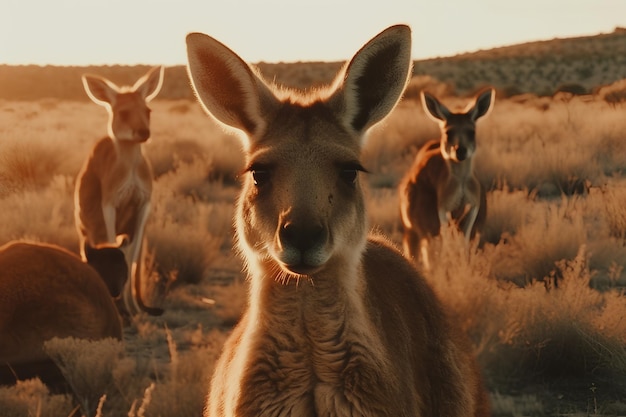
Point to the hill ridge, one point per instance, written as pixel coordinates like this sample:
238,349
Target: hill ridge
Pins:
538,67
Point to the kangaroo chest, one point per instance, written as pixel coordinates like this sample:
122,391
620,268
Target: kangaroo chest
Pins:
129,186
322,364
131,190
459,190
456,196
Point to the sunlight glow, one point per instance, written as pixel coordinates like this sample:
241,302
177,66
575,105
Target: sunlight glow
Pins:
78,32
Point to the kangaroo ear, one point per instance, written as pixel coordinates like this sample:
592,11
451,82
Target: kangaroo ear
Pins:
121,241
150,84
375,79
100,90
434,108
483,103
227,87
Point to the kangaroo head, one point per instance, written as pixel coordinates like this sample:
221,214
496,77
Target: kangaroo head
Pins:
301,206
129,114
110,263
458,130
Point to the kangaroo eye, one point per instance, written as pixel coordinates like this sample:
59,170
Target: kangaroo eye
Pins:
260,177
349,175
350,172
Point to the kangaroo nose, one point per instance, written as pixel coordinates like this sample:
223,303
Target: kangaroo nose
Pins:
461,153
302,236
143,134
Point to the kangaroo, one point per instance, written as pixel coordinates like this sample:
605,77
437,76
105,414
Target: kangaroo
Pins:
47,291
114,186
337,323
441,186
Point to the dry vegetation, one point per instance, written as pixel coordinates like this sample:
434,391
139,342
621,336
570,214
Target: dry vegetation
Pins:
542,295
577,65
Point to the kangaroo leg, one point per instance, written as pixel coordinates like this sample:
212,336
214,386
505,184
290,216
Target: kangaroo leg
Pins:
444,218
471,219
424,253
133,300
108,212
133,255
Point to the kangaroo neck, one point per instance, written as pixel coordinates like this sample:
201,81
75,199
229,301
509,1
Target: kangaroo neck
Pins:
127,152
460,169
275,297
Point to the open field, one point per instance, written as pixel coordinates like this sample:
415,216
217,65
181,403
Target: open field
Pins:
542,294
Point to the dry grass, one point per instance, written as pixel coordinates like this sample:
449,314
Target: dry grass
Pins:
556,199
33,398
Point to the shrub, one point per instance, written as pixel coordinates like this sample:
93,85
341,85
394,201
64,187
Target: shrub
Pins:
33,398
87,366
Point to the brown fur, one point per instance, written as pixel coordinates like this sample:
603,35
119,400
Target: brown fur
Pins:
114,186
47,291
441,184
338,323
103,179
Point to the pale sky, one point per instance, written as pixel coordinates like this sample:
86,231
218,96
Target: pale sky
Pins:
128,32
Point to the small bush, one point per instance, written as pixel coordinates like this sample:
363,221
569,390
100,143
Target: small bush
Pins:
187,251
547,236
554,334
33,398
87,367
613,93
572,88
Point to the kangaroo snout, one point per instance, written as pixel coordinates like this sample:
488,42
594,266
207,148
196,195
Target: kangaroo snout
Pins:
302,244
461,153
302,236
142,134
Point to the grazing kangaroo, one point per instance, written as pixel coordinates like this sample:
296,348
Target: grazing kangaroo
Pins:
441,186
114,187
337,323
47,291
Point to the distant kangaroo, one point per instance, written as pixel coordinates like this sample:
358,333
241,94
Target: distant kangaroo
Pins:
114,187
441,186
47,291
338,323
